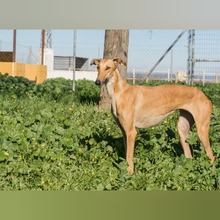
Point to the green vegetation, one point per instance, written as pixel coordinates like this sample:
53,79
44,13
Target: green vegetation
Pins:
52,138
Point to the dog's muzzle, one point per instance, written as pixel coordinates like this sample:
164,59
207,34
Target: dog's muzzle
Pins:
98,82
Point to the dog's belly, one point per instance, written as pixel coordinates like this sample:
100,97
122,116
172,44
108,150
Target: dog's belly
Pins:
146,121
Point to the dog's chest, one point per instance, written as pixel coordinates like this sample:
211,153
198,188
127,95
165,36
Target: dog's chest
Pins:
113,107
110,91
109,87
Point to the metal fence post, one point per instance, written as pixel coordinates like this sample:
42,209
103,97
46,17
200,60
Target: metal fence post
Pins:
74,60
168,75
42,46
133,76
14,45
14,52
193,55
203,78
171,63
191,58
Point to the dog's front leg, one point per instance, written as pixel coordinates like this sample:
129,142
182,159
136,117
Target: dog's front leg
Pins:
129,132
130,139
123,132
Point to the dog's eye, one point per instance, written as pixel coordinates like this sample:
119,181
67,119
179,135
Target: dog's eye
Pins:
107,68
98,67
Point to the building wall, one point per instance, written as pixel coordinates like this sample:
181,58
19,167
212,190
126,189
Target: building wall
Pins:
34,72
39,73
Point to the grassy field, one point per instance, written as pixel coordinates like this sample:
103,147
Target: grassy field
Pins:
52,138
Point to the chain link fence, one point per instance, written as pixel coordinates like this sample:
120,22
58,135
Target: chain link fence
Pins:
206,55
146,47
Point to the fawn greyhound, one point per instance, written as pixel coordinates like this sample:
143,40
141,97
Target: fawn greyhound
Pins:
144,106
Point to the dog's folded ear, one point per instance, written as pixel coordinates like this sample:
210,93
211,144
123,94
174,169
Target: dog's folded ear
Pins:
118,60
95,61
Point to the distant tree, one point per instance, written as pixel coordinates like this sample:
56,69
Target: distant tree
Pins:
115,45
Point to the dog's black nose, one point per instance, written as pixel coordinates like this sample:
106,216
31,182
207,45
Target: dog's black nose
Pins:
98,82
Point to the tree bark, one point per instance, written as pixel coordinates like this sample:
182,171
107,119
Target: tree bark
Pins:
116,45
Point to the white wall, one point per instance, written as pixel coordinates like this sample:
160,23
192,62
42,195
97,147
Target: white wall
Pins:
48,58
90,75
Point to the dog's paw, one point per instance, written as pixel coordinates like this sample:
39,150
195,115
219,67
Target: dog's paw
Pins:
212,160
130,170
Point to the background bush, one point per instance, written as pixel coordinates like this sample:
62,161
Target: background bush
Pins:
52,138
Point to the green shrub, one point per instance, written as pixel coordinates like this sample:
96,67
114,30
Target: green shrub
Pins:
60,140
18,86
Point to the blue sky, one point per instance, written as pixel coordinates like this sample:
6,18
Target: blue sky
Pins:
145,46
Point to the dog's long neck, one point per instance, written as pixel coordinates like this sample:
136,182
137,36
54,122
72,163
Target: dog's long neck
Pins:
115,85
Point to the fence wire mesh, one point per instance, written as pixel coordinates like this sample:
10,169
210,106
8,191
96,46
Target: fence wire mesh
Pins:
207,55
145,49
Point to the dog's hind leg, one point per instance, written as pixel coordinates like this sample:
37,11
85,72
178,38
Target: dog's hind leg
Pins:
204,137
202,124
185,122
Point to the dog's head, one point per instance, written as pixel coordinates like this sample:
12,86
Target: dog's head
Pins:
105,68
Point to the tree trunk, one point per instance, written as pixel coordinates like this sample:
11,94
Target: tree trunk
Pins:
116,45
